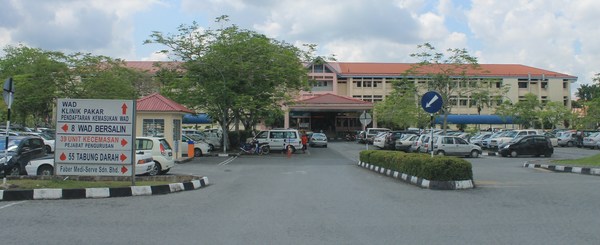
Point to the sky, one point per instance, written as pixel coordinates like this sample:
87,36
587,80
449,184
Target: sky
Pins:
556,35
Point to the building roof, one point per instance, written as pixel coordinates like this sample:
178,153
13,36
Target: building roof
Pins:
349,69
151,66
325,102
158,103
329,98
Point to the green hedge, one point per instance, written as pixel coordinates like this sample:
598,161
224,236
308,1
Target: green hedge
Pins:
440,168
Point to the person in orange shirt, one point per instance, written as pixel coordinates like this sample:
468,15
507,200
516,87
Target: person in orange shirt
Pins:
304,139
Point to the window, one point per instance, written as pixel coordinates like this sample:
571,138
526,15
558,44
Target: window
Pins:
565,84
262,135
544,85
448,140
463,102
143,144
153,127
498,84
367,84
522,84
359,84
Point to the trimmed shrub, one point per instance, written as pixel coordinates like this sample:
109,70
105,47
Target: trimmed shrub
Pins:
439,168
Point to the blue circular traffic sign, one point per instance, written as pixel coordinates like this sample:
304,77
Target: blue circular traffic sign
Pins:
432,102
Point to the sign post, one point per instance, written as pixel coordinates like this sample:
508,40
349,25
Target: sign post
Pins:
95,137
7,93
365,118
431,102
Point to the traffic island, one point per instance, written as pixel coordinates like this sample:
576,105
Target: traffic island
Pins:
566,169
180,183
418,181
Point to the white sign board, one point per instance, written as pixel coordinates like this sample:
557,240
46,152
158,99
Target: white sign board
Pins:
365,118
94,137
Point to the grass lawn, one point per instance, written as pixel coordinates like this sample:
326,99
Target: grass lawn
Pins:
591,161
23,184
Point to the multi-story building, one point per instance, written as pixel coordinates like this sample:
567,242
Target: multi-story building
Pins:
343,90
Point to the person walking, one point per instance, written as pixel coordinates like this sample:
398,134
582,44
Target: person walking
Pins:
304,139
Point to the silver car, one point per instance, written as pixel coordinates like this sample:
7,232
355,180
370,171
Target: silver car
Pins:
318,139
454,146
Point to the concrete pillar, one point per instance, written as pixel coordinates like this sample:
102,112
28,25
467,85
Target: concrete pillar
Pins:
286,118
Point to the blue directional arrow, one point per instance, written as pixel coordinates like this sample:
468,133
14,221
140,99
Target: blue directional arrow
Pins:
432,102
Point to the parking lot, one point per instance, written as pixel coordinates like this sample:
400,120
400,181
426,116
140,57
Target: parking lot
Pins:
322,197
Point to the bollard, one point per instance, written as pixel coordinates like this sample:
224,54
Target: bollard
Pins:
190,148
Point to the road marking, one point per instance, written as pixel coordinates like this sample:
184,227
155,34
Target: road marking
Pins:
223,163
12,204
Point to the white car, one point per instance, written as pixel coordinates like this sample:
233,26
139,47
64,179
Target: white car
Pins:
45,166
379,140
160,150
200,148
210,138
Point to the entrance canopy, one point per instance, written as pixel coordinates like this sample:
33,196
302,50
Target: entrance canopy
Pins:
332,103
475,119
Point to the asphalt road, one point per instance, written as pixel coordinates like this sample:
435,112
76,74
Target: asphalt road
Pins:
322,197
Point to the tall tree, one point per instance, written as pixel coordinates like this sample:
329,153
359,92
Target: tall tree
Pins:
400,107
447,73
233,73
36,74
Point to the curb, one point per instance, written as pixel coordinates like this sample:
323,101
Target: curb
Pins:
566,169
53,194
421,182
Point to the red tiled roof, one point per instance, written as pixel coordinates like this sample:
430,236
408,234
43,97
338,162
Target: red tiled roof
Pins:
151,66
331,99
486,70
158,103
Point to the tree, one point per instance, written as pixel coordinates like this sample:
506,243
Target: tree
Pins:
36,74
588,92
233,73
400,108
554,112
447,73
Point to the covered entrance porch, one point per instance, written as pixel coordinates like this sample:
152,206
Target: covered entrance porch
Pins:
331,114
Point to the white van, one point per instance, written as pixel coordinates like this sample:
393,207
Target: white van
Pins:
280,139
512,134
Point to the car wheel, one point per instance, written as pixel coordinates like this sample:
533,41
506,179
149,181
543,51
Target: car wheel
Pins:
265,149
164,171
440,153
291,148
48,149
570,144
513,153
211,147
325,146
45,170
197,152
155,170
14,171
474,153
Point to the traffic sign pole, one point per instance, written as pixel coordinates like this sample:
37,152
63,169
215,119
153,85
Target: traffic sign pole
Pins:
431,102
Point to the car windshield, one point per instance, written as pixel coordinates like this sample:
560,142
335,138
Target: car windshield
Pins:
319,135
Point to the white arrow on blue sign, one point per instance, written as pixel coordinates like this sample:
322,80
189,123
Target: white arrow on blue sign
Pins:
432,102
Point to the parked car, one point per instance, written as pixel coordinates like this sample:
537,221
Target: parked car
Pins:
372,132
509,135
528,145
418,144
210,138
45,165
21,150
379,140
486,144
160,151
318,139
405,142
280,139
581,134
553,138
479,138
591,141
200,148
567,138
48,140
454,146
